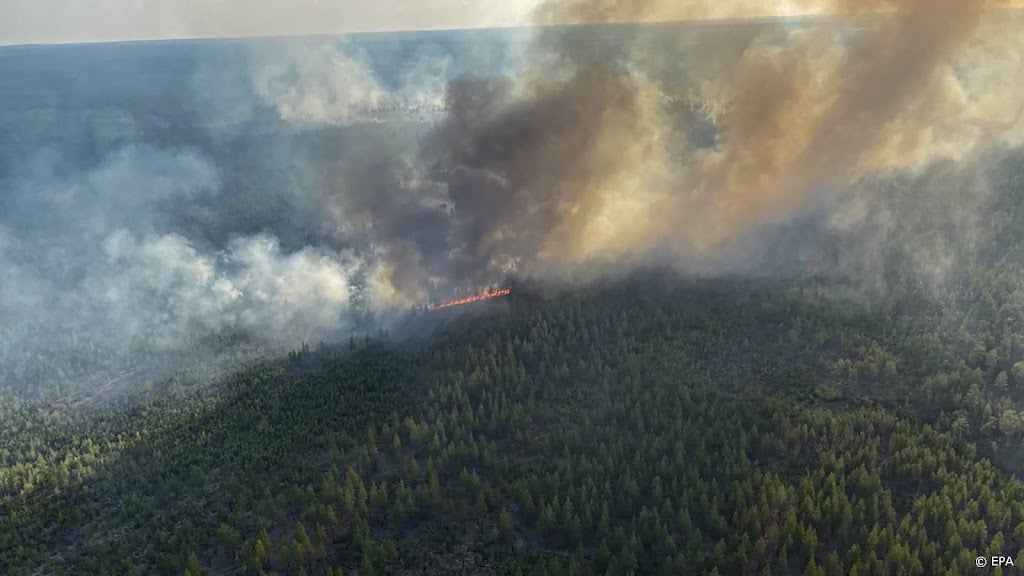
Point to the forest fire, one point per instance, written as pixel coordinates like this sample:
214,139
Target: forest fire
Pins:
484,294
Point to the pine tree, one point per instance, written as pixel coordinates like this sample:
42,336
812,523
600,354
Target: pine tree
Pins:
192,565
505,525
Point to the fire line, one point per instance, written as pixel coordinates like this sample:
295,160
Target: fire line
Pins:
485,294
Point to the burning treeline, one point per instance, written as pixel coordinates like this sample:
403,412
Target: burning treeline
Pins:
485,294
611,149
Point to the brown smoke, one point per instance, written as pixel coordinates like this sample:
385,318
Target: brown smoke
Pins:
809,115
534,171
560,12
615,145
813,112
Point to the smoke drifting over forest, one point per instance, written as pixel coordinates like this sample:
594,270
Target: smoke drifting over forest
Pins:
295,189
803,113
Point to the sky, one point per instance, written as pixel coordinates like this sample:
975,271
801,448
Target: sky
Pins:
74,21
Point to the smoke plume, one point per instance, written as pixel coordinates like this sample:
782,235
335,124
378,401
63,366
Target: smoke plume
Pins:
293,189
590,164
620,145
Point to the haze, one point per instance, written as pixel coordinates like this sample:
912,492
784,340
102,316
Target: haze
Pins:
70,21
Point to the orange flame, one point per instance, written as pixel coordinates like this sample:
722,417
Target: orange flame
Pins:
485,294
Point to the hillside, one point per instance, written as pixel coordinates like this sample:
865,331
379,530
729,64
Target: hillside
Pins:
654,426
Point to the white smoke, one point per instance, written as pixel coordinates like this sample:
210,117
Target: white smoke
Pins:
92,253
334,84
164,290
319,85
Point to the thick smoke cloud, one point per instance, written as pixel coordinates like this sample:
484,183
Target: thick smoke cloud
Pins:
162,289
95,258
801,121
612,149
803,112
605,152
179,197
295,189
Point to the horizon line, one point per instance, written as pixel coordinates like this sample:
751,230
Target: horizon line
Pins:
807,16
504,27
